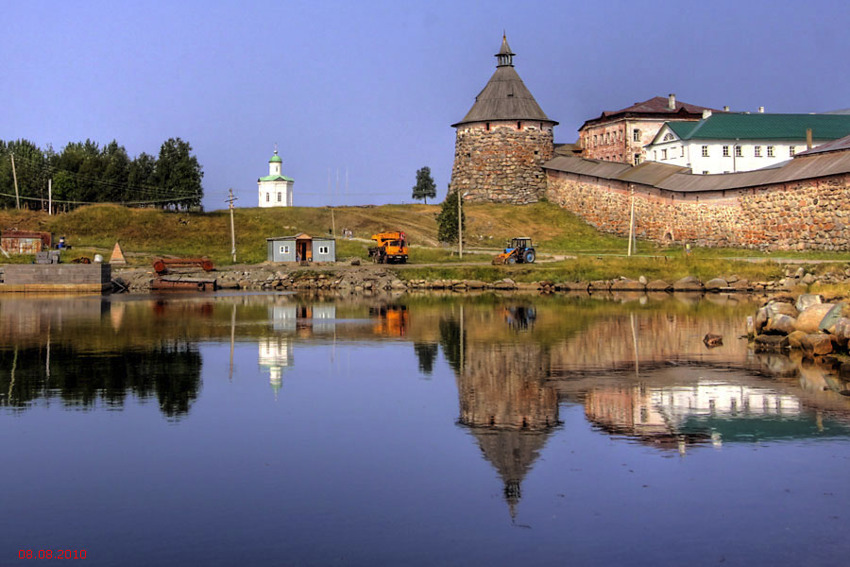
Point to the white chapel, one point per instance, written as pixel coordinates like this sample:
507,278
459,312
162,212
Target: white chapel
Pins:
275,189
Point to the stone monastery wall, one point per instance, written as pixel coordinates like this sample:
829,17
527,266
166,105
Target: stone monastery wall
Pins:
502,162
803,215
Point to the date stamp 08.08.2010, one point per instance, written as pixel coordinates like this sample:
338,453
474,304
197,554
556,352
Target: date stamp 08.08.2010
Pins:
51,554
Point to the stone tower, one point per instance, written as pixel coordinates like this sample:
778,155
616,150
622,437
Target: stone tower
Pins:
503,141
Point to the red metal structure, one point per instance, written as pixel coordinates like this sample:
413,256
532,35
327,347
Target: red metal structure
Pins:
162,265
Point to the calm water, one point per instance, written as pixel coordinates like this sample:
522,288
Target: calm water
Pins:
282,430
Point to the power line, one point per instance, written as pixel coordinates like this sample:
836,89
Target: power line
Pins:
106,202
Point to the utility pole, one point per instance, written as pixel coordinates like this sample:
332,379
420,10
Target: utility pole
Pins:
15,177
632,219
230,200
50,196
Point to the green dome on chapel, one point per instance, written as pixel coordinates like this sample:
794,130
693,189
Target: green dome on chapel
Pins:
275,158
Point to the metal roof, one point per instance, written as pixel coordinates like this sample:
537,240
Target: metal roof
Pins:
504,97
658,106
759,126
677,179
840,144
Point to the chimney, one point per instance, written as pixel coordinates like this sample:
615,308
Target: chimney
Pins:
671,102
808,138
726,108
761,110
706,113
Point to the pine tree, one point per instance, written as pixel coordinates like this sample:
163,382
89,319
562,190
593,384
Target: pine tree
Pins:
425,186
447,219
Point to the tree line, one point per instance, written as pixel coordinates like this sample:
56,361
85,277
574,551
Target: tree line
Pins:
85,172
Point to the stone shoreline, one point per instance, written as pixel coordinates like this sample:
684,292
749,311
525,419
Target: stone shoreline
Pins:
368,278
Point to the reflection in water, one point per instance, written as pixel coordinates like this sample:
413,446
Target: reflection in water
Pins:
276,354
551,375
426,353
171,373
504,399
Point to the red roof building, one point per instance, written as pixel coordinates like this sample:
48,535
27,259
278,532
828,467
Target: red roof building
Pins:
620,135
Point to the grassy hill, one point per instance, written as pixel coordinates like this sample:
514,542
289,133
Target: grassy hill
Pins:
151,232
147,233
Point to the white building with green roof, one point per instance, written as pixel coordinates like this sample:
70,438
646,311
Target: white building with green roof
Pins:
733,142
275,189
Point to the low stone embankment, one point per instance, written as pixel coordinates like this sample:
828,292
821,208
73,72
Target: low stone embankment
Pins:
807,323
357,279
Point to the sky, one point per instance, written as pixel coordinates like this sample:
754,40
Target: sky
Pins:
359,95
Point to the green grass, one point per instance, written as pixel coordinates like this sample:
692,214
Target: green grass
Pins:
147,233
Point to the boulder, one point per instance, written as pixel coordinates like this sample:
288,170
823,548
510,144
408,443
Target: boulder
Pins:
774,308
829,320
688,283
809,320
600,285
625,284
841,330
780,324
795,339
716,284
658,285
807,300
572,286
816,344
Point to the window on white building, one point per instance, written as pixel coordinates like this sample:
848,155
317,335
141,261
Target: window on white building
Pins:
705,172
682,152
770,151
668,137
757,151
705,151
278,197
725,151
739,152
654,155
663,154
268,197
792,150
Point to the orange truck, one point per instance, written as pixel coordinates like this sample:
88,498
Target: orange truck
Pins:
391,247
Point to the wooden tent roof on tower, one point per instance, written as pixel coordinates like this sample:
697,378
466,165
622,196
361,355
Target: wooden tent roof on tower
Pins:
505,97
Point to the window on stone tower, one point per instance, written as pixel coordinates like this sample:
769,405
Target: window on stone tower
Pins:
519,125
487,126
636,135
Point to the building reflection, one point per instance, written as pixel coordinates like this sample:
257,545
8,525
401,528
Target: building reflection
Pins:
678,415
505,402
276,355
